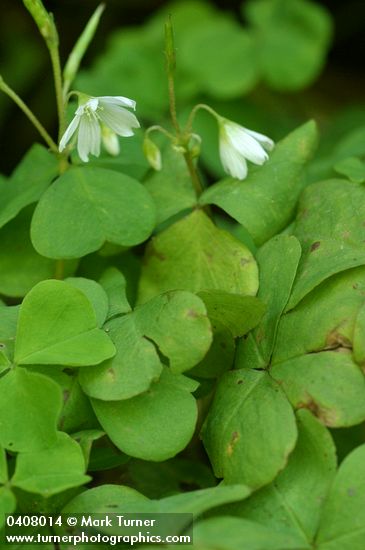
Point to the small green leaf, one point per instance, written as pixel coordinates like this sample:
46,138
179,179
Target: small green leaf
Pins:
52,470
86,207
27,183
292,503
278,261
130,372
330,243
238,313
212,259
353,168
95,294
29,409
114,284
265,202
329,384
177,322
235,419
57,325
342,524
155,425
332,308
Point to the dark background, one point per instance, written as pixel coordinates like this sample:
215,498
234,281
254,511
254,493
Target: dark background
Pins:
341,83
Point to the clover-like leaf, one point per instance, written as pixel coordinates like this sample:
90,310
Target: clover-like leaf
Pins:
328,383
212,259
52,470
154,425
57,325
30,405
86,207
248,403
330,244
137,363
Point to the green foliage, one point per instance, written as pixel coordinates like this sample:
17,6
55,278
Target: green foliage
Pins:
175,342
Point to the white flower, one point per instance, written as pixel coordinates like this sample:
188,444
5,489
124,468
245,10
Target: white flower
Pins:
238,144
100,118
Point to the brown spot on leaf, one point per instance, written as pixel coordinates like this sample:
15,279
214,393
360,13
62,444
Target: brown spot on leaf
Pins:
337,341
239,382
66,395
192,313
315,245
234,438
111,373
327,416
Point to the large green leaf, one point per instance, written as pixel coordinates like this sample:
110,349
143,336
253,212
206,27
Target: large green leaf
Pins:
30,405
85,208
155,425
27,183
193,254
57,325
343,518
292,39
291,504
248,403
278,261
324,319
328,383
52,470
331,243
176,322
265,202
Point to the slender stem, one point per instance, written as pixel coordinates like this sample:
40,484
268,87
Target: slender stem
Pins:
59,269
193,174
157,128
34,120
193,113
57,75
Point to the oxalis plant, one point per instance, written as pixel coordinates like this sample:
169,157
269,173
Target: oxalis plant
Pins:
181,347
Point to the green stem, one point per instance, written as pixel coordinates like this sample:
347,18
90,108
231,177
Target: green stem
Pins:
34,120
193,174
59,269
57,75
200,106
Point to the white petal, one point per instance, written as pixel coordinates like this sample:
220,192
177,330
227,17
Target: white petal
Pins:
71,129
265,141
118,119
110,141
233,162
245,144
117,100
88,138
